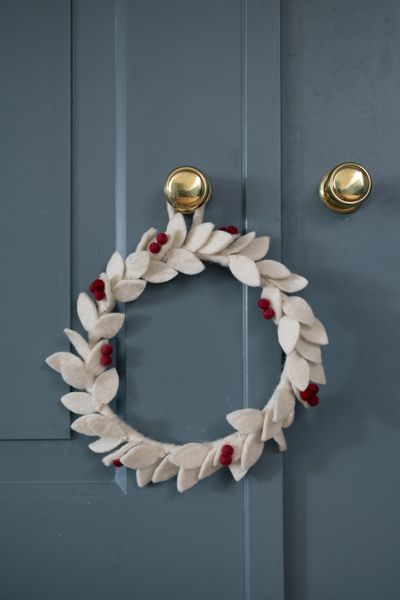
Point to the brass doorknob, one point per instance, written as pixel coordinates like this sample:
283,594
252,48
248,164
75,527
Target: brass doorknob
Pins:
186,189
345,187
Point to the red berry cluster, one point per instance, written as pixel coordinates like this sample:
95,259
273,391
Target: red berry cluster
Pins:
97,289
226,455
117,462
309,395
267,311
161,239
230,229
106,351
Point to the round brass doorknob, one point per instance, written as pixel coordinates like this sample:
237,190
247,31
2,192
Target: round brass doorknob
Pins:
345,187
186,189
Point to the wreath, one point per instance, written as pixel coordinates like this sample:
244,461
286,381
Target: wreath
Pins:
158,258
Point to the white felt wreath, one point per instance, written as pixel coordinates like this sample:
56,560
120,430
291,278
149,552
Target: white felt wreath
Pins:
158,258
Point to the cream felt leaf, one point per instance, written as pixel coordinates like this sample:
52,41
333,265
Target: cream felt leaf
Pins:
108,460
76,375
279,438
115,268
309,351
107,326
252,450
128,290
87,311
165,470
298,370
217,259
238,472
79,343
159,272
257,249
244,269
108,303
283,403
105,444
184,261
288,334
142,456
246,420
137,264
146,239
177,225
270,428
105,387
107,427
288,420
275,297
93,360
317,373
297,308
240,243
144,476
217,241
316,334
198,236
81,425
208,467
54,360
80,403
198,215
293,283
189,456
273,269
187,479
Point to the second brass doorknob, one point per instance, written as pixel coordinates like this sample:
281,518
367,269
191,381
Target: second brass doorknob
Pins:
345,187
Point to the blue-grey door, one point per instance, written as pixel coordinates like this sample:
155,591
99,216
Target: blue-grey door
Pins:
100,100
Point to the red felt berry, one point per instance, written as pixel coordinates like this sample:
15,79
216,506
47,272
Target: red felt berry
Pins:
162,238
105,360
225,459
305,395
117,463
99,295
227,449
268,313
97,285
263,303
313,401
106,349
232,229
154,247
223,229
313,388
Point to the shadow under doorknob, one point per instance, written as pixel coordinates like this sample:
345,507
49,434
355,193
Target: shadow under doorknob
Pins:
345,187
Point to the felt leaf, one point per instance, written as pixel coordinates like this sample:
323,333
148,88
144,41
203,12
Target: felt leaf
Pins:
240,243
246,420
80,403
257,249
142,456
279,438
315,334
244,269
108,460
283,403
252,450
144,476
76,375
309,351
187,479
270,428
273,269
87,311
146,239
81,425
198,236
105,387
177,225
317,373
288,334
93,361
293,283
137,264
217,241
298,309
238,472
208,467
104,445
288,420
198,215
184,262
107,427
115,268
79,343
217,259
107,326
54,360
189,456
298,370
106,305
128,290
159,272
165,470
275,297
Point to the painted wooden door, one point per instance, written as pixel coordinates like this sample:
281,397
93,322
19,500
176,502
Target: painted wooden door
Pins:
101,99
